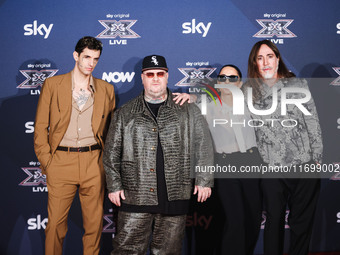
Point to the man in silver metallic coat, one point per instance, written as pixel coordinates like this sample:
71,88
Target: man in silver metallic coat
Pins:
152,147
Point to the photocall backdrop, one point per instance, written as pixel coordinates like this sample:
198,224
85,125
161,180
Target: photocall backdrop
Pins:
197,38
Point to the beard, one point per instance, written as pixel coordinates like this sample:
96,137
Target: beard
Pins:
270,75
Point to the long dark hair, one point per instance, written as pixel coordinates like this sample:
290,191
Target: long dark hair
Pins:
253,71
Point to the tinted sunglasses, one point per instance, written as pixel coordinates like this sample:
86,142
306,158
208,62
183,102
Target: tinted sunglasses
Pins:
151,75
230,78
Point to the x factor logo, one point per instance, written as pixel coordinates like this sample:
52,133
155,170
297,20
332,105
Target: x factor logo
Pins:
35,177
35,78
120,28
336,82
194,76
271,28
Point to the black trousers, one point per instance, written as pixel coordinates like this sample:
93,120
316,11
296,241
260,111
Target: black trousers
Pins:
301,195
241,201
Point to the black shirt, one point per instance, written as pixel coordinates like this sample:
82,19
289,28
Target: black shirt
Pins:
164,206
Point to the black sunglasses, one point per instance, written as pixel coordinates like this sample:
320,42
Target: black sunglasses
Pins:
230,78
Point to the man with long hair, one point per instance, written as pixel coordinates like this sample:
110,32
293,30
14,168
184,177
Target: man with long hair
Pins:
298,145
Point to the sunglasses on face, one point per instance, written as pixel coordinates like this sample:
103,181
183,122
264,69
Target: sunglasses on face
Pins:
229,78
159,74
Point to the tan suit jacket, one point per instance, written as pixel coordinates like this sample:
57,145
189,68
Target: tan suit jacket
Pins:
54,112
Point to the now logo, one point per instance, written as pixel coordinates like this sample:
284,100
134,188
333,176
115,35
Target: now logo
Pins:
35,29
118,76
192,28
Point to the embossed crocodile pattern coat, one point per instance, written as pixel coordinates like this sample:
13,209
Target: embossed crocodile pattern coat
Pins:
130,151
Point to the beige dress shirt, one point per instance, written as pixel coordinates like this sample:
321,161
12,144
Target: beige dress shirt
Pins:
79,132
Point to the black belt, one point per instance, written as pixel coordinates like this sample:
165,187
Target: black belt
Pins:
79,149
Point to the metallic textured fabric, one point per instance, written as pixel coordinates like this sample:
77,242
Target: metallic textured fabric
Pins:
135,230
130,151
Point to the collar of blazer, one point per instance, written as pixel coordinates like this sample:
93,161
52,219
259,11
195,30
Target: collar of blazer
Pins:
65,101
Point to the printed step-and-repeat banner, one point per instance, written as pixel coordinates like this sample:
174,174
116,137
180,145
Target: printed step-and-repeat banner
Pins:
197,38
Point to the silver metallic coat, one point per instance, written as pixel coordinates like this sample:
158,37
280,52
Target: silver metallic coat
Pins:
131,149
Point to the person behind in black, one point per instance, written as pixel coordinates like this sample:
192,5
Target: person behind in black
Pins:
238,193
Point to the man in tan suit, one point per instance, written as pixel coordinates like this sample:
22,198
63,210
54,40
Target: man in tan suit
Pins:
71,124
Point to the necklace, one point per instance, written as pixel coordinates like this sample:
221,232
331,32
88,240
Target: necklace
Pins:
155,100
147,105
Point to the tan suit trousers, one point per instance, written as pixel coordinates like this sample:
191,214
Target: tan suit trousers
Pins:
68,172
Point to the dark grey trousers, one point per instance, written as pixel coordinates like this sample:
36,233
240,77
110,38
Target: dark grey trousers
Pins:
134,231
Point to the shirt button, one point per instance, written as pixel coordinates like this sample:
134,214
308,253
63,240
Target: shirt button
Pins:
154,129
251,150
153,148
151,189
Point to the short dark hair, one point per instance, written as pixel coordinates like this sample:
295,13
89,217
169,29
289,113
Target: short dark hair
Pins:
90,43
235,67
